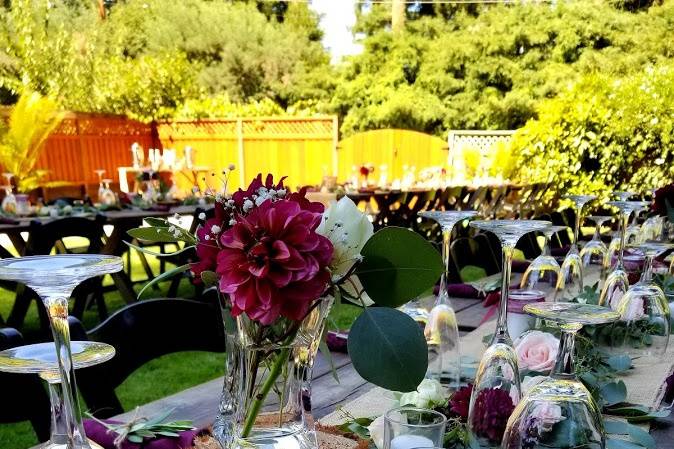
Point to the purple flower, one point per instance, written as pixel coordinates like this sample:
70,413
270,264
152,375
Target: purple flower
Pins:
493,407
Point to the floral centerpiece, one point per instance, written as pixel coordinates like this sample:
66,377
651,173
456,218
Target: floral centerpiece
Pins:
278,262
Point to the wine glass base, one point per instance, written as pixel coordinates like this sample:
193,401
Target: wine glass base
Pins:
88,445
557,413
41,358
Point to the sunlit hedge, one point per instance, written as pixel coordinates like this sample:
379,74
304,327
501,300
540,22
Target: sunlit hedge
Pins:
603,133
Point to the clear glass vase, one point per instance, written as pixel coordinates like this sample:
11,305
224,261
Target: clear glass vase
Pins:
266,398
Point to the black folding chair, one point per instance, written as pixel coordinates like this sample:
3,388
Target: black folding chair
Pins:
141,332
24,396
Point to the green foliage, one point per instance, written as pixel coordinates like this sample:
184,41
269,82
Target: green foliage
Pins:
603,134
398,266
150,57
488,68
31,121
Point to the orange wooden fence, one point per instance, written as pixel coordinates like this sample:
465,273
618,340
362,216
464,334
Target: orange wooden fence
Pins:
394,148
301,148
87,142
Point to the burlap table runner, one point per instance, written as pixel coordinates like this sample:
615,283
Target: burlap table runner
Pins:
644,385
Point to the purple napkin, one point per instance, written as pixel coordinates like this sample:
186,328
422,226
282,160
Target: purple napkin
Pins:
520,266
336,341
459,291
100,434
560,251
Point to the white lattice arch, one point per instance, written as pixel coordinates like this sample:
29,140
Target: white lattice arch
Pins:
483,140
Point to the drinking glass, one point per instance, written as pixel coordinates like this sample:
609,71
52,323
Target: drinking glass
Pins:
570,280
108,197
409,427
644,324
634,230
617,282
497,378
442,329
100,172
54,278
623,196
596,251
560,412
41,359
544,268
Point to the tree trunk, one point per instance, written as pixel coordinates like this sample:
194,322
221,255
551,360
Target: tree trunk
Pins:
398,15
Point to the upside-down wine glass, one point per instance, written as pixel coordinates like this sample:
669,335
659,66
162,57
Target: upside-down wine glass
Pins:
54,278
560,412
634,230
100,172
596,251
543,268
41,359
442,329
570,280
644,324
623,196
497,380
617,282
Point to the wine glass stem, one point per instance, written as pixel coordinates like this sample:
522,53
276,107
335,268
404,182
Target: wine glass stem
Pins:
564,365
59,424
576,231
546,244
502,321
446,238
624,219
647,273
57,308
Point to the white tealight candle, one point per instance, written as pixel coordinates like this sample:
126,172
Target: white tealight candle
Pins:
410,442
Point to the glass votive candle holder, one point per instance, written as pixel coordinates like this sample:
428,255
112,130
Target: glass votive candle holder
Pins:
518,321
411,427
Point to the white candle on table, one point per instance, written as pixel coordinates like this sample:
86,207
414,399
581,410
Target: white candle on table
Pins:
410,442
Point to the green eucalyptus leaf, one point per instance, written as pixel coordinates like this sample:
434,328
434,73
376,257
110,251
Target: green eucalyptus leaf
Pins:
612,443
619,362
157,222
153,234
156,254
209,278
398,265
613,392
388,349
651,416
162,277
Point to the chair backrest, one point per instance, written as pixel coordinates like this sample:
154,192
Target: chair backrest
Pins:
43,237
23,395
489,251
141,332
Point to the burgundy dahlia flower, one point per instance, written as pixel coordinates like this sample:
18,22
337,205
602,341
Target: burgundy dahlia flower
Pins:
493,407
273,263
659,205
460,402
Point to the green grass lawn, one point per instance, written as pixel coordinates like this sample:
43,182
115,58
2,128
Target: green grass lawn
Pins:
176,372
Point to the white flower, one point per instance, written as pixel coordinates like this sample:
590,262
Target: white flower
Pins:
171,228
376,429
247,205
281,193
232,222
215,229
202,216
348,229
207,237
428,395
531,381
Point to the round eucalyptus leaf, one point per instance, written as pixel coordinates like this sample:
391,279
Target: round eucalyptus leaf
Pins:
388,349
398,265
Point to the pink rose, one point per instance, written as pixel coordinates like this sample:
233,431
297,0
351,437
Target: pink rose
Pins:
536,351
546,415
